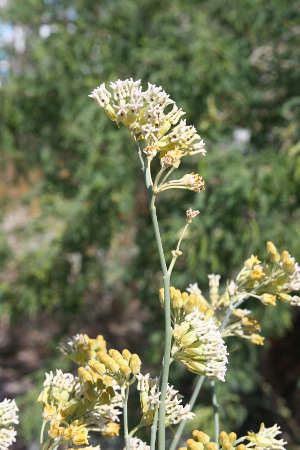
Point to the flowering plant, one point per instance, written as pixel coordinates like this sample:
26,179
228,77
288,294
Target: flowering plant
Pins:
196,327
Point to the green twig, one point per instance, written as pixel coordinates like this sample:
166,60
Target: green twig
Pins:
215,405
125,418
154,431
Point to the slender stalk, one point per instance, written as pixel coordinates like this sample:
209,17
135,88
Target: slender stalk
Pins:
42,433
176,253
215,405
125,418
192,402
135,429
154,431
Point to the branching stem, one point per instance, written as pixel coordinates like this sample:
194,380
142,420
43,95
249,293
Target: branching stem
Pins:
215,405
125,418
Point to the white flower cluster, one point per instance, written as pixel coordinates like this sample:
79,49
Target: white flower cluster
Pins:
191,214
199,346
175,411
150,115
194,289
8,418
265,439
137,444
72,343
61,380
294,278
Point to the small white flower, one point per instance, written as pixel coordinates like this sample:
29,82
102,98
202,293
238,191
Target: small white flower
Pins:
175,411
191,214
138,444
8,412
7,437
194,289
64,381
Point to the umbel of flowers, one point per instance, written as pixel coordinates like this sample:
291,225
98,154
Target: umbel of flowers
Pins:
8,419
264,439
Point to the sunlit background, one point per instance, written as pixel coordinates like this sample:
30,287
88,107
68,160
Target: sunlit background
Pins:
76,244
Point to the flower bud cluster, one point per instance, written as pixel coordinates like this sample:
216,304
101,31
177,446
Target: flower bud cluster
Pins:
199,346
241,324
81,348
275,279
150,399
183,303
121,367
150,115
8,418
93,400
265,439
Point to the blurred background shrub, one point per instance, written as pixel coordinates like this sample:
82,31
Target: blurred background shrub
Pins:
76,245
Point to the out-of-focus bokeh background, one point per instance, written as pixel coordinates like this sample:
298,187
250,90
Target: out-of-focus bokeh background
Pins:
76,244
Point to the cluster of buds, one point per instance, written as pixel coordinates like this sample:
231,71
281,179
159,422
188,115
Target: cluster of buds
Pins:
275,279
265,439
150,115
80,348
112,366
199,441
183,303
199,346
8,419
94,399
150,399
241,324
190,181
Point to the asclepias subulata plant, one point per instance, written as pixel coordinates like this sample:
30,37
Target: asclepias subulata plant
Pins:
76,407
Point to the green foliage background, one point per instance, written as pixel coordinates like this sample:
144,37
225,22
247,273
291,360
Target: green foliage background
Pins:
76,244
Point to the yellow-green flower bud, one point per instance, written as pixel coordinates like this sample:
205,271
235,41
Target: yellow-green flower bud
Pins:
232,437
126,354
211,446
97,366
268,299
181,330
108,362
200,436
117,357
193,445
85,375
272,251
288,262
223,437
135,364
241,447
188,339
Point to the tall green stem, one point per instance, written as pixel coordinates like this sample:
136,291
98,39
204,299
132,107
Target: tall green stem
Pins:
215,405
168,329
154,431
125,418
